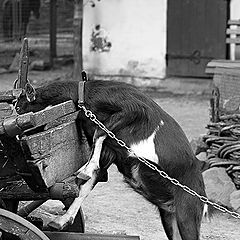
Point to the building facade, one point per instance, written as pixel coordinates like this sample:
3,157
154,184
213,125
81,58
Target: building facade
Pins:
130,39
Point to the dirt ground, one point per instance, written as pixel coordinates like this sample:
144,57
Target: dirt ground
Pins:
113,208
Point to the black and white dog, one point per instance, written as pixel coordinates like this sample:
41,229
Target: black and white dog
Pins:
149,132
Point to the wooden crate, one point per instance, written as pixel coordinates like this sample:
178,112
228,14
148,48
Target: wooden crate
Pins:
48,149
55,154
227,83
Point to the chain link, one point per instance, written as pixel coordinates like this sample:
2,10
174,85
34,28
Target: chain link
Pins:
163,174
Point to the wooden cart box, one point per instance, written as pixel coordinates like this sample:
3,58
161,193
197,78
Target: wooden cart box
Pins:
48,149
55,154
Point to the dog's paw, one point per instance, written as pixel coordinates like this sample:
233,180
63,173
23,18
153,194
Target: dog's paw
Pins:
83,175
60,223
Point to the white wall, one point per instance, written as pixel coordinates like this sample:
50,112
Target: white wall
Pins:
137,31
235,9
234,14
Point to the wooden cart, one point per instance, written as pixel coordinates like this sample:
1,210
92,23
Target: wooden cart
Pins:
39,153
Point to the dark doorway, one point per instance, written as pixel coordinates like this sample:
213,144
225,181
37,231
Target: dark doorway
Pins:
195,35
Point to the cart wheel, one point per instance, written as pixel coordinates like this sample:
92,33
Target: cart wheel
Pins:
13,224
79,222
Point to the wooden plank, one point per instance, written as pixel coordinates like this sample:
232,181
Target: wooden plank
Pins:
212,65
19,190
87,236
52,113
7,96
46,115
224,63
233,31
225,71
234,22
10,95
14,125
216,65
61,120
55,154
5,110
233,40
228,71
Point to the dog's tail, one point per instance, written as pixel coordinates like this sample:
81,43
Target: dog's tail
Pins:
209,211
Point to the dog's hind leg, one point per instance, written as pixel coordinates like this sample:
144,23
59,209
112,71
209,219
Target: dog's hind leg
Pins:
189,211
170,224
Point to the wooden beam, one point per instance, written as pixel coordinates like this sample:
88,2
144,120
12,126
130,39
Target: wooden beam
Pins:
14,125
7,96
234,22
52,113
233,40
19,190
5,110
53,31
233,31
222,65
87,236
23,65
77,38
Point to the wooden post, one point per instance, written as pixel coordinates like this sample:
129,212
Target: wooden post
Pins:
23,66
53,31
15,20
77,36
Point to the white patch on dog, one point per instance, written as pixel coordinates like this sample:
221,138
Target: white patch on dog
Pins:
87,170
146,148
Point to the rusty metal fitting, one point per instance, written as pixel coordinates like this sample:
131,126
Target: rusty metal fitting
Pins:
11,126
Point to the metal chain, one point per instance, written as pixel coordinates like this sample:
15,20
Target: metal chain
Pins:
174,181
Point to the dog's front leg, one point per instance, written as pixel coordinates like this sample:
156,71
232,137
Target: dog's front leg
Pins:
68,218
87,170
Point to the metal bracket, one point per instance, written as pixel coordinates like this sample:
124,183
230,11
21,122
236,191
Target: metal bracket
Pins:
194,57
23,66
81,89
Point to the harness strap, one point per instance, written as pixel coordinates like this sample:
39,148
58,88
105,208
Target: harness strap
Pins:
81,89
